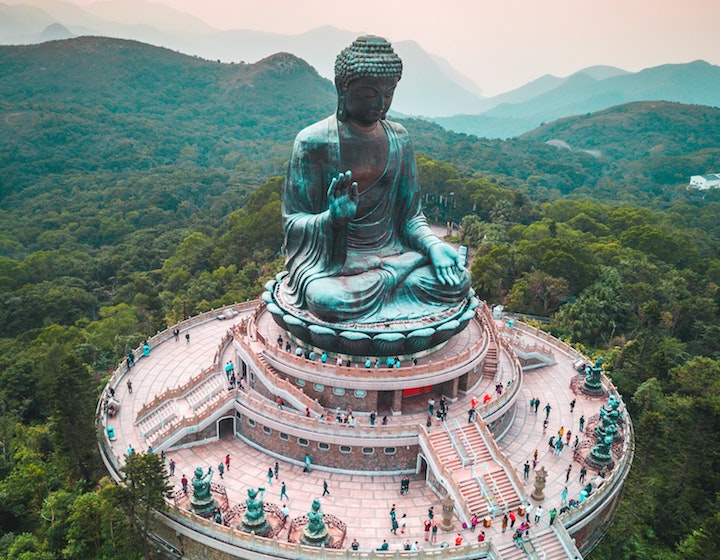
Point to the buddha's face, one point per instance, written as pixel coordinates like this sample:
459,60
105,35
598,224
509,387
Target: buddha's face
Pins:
367,100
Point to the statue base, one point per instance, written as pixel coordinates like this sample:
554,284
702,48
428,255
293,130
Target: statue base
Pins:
538,495
600,459
403,337
204,507
322,539
593,390
259,526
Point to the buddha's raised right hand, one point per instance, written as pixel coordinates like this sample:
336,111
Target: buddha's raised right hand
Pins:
343,197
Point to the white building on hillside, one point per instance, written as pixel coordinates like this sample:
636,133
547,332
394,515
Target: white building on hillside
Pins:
705,182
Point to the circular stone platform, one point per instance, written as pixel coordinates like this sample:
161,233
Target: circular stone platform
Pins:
387,338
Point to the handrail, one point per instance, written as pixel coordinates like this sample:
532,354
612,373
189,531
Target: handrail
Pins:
467,443
567,542
499,457
497,494
457,447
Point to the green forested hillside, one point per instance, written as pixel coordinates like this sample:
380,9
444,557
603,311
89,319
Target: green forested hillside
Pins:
139,186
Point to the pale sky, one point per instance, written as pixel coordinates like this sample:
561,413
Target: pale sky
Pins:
500,44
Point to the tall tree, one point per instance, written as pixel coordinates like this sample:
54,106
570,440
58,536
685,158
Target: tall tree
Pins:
146,488
72,423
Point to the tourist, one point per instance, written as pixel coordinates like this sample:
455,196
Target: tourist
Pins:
434,531
355,544
426,525
187,338
548,408
458,539
184,483
269,476
221,469
325,488
227,462
129,386
172,467
176,334
481,536
567,472
283,492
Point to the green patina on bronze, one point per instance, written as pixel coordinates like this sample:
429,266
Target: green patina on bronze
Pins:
202,501
360,252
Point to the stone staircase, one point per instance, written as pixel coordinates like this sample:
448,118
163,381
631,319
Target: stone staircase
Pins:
444,450
280,383
490,364
541,545
474,469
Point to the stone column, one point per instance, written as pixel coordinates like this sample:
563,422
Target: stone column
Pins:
454,388
397,402
448,506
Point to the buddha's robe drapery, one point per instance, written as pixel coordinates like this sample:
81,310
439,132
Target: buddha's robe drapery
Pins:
376,267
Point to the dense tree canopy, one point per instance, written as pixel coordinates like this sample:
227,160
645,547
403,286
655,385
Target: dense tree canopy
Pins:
132,202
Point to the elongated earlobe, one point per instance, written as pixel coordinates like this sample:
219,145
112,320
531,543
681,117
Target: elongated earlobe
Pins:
341,109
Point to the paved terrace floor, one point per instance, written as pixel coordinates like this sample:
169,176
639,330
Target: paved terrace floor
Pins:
363,502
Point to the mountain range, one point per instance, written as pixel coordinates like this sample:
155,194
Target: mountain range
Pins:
431,87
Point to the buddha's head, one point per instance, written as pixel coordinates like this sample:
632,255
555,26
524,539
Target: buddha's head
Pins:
366,74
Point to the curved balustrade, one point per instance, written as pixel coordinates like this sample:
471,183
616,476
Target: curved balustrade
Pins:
199,529
361,373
